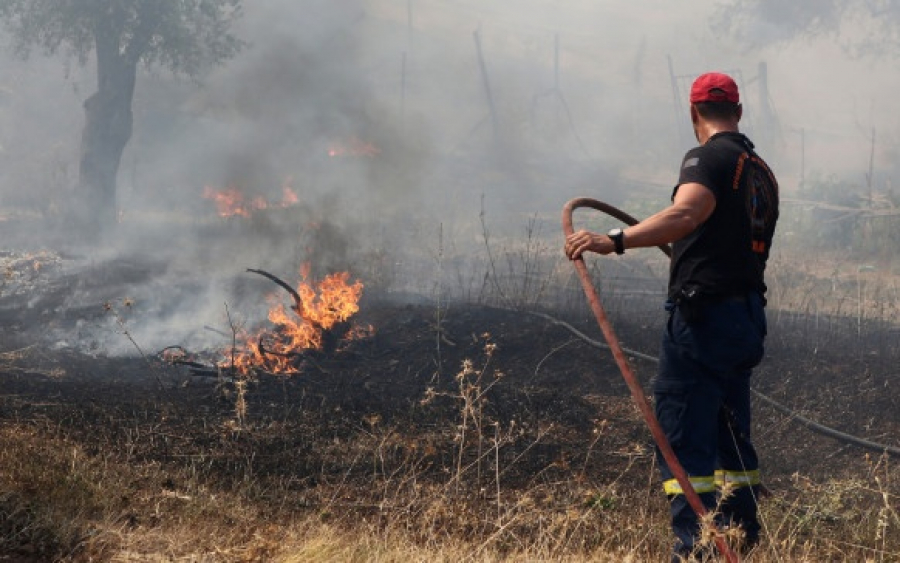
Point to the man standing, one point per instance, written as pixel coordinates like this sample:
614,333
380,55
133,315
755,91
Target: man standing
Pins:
720,224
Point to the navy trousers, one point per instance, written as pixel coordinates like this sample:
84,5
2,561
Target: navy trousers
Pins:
702,401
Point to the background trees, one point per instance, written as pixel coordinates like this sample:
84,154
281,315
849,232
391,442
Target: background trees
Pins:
862,27
183,36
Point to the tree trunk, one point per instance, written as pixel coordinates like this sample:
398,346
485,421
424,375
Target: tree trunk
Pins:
107,130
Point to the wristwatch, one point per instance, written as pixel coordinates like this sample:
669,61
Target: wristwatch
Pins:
618,238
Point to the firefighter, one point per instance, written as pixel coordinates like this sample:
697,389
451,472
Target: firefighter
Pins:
720,223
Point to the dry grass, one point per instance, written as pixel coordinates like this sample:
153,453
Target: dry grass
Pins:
59,501
62,501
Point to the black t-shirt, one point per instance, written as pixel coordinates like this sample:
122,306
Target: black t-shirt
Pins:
727,254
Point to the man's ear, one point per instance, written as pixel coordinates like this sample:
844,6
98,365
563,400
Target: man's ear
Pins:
740,111
695,115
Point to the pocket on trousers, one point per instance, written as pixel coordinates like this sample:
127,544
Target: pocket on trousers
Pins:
730,338
671,402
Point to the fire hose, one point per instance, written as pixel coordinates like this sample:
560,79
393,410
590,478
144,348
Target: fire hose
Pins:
794,416
634,386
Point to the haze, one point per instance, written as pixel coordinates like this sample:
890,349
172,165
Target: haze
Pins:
403,78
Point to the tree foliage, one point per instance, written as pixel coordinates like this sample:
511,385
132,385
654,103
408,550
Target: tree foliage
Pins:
862,27
181,35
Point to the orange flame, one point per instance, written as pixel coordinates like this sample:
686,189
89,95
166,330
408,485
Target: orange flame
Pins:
231,202
353,147
331,301
288,197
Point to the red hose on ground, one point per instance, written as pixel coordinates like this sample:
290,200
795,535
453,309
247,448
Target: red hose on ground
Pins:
633,385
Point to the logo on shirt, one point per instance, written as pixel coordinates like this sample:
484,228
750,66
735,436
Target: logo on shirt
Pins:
691,162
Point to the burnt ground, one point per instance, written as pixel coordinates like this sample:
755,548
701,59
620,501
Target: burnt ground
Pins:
552,404
540,373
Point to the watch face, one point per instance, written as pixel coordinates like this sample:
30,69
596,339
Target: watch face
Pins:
618,238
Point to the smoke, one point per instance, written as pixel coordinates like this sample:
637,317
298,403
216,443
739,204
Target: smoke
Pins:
398,124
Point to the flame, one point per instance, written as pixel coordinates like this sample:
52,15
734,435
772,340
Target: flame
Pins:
172,355
288,197
325,304
231,202
353,147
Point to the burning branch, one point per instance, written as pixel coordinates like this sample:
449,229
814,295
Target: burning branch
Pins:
319,325
288,355
298,302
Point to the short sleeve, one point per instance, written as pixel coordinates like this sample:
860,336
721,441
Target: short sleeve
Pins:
697,168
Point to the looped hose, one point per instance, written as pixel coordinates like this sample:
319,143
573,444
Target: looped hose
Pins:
634,386
613,212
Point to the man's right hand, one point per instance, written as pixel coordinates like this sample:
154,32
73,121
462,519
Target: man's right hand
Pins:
583,241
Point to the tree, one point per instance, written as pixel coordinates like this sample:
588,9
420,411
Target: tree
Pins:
184,36
865,28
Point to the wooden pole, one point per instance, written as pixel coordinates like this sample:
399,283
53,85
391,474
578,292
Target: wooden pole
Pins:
676,97
409,21
556,62
871,171
802,157
486,81
403,85
765,109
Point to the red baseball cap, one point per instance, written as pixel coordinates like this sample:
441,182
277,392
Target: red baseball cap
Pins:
714,87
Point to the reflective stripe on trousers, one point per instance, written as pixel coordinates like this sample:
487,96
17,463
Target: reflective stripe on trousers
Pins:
722,479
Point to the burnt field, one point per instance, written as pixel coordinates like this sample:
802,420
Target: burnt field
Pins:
449,429
282,281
